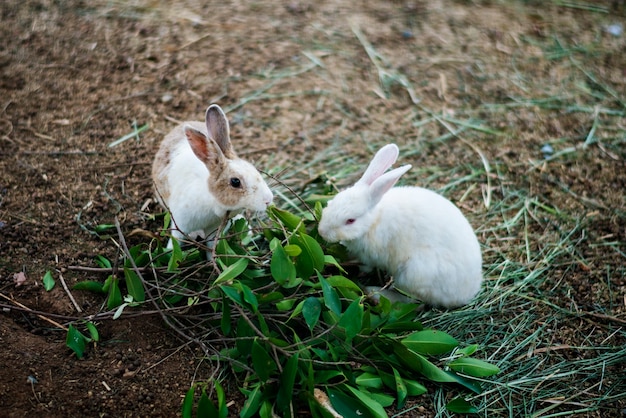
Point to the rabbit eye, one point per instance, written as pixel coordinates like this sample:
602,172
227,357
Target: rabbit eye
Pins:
350,221
235,182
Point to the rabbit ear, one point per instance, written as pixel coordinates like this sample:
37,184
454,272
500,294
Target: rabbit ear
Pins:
382,184
384,158
219,130
205,148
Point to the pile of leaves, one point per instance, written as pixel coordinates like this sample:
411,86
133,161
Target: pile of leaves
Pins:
274,308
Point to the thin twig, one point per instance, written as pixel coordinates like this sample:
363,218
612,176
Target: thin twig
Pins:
188,44
27,309
606,317
220,228
69,294
277,180
542,350
103,269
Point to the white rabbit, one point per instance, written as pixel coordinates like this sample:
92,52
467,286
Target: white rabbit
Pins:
416,235
200,179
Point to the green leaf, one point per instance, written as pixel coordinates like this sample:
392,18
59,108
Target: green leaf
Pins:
384,399
103,262
312,257
223,248
352,319
225,320
285,304
373,407
232,271
187,409
271,297
245,336
103,228
234,294
167,220
252,403
311,310
266,410
90,285
115,296
93,331
48,281
329,259
293,250
474,367
119,310
139,255
467,351
326,376
340,281
263,363
286,387
420,364
461,406
76,341
347,406
287,219
107,283
248,296
281,266
240,227
318,205
401,389
134,285
406,311
176,256
414,388
221,400
206,408
331,298
369,380
430,342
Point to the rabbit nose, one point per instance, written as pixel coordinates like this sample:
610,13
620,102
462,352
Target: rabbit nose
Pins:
268,198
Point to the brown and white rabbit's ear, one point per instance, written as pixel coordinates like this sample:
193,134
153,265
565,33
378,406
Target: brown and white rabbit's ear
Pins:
384,158
219,130
205,149
382,184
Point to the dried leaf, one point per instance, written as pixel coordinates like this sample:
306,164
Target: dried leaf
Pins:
19,278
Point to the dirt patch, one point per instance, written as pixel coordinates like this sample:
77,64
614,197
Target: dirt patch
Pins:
301,92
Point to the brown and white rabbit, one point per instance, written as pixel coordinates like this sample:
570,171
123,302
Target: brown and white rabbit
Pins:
416,235
200,180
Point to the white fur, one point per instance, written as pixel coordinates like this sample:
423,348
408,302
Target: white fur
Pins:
182,184
416,235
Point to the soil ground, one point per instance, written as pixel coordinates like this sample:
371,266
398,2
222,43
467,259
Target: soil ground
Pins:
76,75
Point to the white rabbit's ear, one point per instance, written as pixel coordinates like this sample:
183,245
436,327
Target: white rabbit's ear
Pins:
219,130
382,184
384,158
205,148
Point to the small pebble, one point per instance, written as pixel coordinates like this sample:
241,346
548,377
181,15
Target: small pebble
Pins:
547,150
615,29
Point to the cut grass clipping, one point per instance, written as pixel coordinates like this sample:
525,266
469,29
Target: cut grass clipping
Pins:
275,309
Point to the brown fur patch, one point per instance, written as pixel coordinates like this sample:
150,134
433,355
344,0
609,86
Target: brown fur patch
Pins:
220,187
